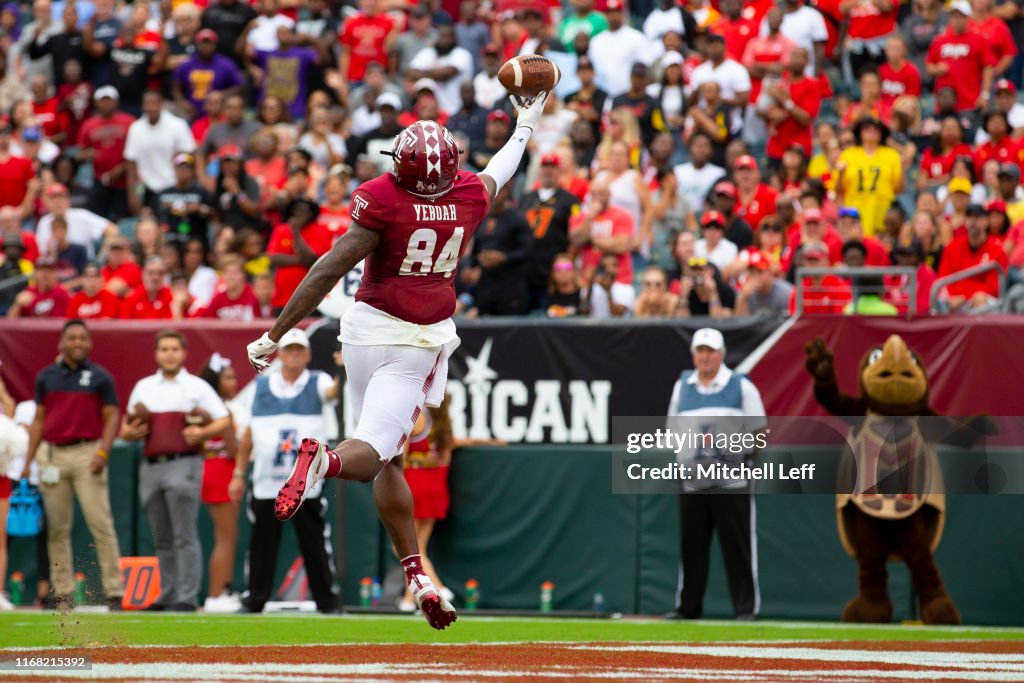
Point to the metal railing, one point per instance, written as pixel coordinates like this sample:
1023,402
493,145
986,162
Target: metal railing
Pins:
851,275
943,282
17,281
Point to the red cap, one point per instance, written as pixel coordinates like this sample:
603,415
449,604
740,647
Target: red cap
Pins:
745,161
614,6
726,187
710,217
812,215
206,34
499,115
1003,84
996,205
230,152
551,159
759,261
56,189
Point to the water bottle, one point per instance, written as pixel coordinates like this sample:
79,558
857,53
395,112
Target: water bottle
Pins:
79,588
376,592
472,595
17,587
599,602
547,596
365,591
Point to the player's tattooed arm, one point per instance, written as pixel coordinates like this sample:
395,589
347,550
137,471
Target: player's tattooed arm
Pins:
355,245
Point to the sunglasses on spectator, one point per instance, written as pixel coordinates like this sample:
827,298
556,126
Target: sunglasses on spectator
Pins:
771,227
563,265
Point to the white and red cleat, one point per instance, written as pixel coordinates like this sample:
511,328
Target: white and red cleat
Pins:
310,467
438,611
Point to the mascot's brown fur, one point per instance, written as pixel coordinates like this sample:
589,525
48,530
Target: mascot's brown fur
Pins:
884,517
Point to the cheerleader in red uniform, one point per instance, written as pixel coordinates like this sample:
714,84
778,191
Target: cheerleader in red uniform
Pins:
427,461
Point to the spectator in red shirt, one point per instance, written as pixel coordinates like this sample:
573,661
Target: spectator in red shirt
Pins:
1000,146
334,214
871,104
851,230
47,112
151,301
295,246
365,37
899,75
122,274
980,293
101,140
820,294
10,224
235,300
910,254
937,160
796,101
754,199
93,301
18,185
44,299
813,228
869,24
738,28
996,34
603,229
767,56
962,60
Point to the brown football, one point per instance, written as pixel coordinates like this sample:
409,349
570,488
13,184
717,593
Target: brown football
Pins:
139,415
529,75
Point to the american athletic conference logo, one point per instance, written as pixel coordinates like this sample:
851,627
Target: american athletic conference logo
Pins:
287,448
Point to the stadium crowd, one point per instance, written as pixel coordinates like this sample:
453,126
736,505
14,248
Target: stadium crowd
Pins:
171,160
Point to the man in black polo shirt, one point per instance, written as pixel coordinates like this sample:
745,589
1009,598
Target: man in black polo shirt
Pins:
548,210
76,421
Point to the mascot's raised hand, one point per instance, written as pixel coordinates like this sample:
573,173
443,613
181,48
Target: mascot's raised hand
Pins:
820,361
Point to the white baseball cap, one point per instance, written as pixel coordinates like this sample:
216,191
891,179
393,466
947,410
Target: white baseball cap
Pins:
389,99
671,58
106,91
292,337
705,336
961,6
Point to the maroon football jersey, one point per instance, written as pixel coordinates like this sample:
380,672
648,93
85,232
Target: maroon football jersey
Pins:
410,274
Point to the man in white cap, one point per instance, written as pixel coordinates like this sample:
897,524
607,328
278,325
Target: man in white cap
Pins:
286,405
101,140
716,397
961,59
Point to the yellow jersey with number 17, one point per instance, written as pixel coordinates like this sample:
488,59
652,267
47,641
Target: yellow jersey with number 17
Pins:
869,183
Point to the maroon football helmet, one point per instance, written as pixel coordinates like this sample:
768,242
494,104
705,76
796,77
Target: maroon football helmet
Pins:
426,159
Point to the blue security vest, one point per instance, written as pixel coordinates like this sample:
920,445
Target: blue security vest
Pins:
278,426
265,403
731,395
729,399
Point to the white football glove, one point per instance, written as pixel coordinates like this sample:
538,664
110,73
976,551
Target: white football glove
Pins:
260,350
528,109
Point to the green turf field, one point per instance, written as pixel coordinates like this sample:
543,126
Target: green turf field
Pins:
38,629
